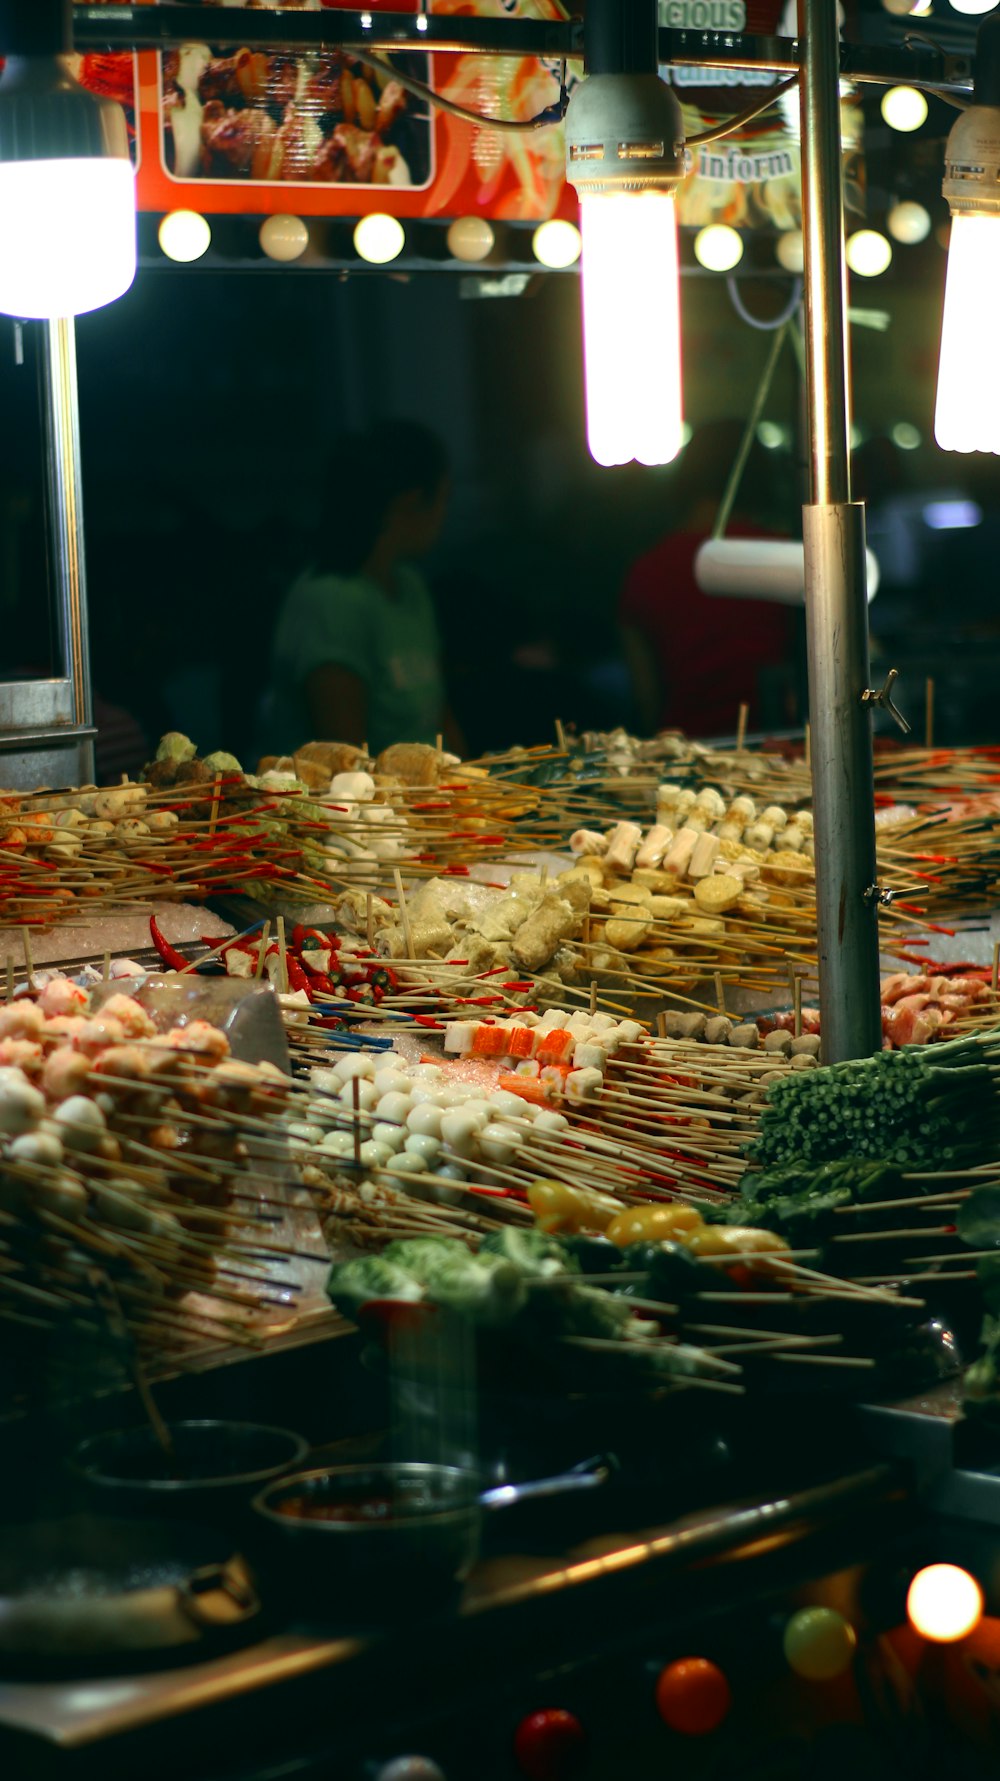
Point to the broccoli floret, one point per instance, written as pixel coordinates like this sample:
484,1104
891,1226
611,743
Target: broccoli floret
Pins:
487,1288
534,1253
220,762
175,747
366,1277
422,1256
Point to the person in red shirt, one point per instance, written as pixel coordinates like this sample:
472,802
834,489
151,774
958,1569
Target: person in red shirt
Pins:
695,658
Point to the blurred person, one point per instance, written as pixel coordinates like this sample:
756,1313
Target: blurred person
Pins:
356,654
694,658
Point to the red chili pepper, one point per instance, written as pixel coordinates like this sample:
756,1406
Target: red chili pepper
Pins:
297,978
169,954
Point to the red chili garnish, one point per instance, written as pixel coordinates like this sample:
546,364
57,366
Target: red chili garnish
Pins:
169,954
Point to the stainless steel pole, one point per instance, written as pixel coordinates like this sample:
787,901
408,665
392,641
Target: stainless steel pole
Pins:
65,499
836,600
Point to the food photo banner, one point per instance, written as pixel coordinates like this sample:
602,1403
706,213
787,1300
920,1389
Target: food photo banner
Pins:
262,132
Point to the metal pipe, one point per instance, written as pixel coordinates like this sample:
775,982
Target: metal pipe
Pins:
828,375
836,603
620,37
61,418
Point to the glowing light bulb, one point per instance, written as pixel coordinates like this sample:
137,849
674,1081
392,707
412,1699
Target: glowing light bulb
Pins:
379,238
284,238
556,244
906,436
868,253
967,416
944,1603
470,238
973,7
67,235
184,235
67,190
904,108
790,251
908,222
718,247
631,326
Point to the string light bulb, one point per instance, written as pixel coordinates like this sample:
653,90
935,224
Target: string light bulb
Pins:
283,238
67,190
470,238
967,412
625,156
184,236
868,253
556,244
718,247
908,222
379,238
904,108
790,250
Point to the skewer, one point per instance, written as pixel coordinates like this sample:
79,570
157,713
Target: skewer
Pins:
828,1360
282,955
653,1345
262,952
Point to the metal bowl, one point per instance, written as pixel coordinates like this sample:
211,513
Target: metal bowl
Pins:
220,1466
428,1541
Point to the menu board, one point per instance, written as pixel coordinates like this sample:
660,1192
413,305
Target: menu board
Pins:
244,130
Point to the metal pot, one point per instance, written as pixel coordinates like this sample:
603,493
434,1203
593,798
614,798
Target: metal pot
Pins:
220,1466
428,1540
85,1593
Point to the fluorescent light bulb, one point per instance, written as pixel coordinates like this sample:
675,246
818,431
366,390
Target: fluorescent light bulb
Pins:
967,416
631,326
67,235
625,156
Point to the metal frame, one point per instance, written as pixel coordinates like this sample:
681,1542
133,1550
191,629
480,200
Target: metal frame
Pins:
833,525
46,726
161,27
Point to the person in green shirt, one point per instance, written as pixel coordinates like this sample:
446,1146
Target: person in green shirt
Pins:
356,656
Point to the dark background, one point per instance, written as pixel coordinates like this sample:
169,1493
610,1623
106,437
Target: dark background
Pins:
209,399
